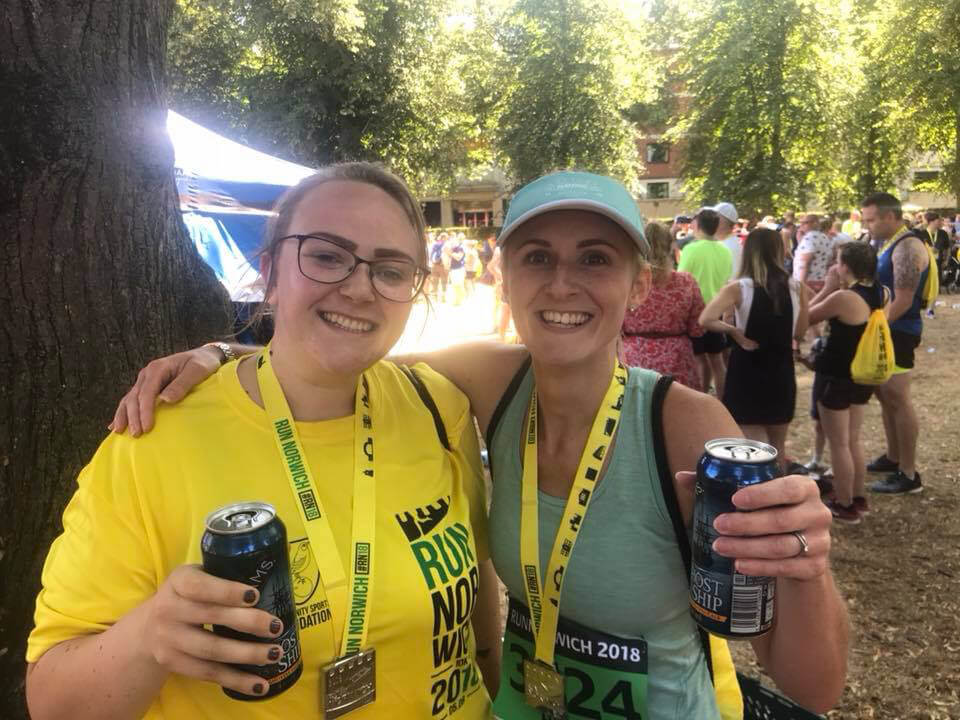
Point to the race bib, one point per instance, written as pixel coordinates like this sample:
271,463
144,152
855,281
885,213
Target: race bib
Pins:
604,676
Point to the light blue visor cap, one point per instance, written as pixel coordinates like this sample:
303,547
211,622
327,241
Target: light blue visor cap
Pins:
569,190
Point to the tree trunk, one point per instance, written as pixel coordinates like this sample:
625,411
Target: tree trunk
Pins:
97,273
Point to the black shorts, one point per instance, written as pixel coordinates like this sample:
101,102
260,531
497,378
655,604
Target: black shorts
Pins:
710,342
837,394
904,345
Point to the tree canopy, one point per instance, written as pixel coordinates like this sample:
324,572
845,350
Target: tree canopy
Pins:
800,102
782,103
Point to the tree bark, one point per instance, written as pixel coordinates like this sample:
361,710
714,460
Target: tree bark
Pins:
97,274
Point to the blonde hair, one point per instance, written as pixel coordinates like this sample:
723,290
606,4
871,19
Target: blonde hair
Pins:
661,243
762,262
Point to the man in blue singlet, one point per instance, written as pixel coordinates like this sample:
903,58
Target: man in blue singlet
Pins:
902,266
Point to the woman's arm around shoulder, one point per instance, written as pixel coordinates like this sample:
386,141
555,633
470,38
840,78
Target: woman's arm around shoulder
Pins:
482,370
806,652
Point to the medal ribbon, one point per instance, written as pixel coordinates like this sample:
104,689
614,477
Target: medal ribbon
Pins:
896,236
322,544
544,602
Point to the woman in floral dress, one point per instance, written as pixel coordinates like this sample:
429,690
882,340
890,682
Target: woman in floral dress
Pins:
656,334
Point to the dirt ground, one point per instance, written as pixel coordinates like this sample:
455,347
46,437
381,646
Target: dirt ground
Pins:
899,569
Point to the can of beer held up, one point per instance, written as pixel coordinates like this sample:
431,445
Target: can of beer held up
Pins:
247,543
723,601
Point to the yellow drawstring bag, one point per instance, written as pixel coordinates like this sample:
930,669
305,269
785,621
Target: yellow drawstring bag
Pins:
872,364
932,287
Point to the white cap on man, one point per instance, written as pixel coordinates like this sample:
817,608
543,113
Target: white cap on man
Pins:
727,211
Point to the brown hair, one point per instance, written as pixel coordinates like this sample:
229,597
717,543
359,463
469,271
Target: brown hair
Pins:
884,203
660,241
363,172
860,258
762,262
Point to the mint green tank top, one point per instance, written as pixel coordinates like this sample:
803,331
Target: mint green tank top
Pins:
625,577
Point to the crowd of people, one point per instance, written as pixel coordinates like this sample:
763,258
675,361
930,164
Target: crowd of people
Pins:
457,265
800,289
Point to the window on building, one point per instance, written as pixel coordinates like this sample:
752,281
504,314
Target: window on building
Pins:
658,190
658,152
431,213
473,218
925,176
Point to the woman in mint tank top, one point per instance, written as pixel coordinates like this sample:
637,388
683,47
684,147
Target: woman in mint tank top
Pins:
578,445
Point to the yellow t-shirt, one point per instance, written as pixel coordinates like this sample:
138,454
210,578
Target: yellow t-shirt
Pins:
139,512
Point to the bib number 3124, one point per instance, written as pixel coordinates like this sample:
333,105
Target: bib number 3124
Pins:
593,691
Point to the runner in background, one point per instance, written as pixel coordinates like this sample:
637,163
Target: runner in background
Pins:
710,263
471,265
770,312
437,287
849,295
456,271
902,267
657,333
852,226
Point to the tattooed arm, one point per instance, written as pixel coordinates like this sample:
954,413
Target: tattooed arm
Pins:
910,259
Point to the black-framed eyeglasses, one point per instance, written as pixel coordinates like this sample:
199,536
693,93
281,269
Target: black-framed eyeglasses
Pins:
324,261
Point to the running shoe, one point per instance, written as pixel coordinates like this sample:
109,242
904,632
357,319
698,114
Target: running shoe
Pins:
898,484
846,514
883,464
860,503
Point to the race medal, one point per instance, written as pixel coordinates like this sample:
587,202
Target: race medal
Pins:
543,688
349,683
543,685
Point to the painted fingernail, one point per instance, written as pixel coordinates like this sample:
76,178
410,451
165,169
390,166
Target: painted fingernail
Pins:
250,597
274,653
275,626
258,688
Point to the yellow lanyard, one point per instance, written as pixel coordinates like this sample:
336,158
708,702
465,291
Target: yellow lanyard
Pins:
322,544
896,236
544,602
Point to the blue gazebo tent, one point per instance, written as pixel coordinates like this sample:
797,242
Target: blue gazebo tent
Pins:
226,190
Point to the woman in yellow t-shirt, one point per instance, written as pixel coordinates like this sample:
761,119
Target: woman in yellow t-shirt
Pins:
573,260
120,619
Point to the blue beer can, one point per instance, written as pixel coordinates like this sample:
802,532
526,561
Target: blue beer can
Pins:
723,601
247,543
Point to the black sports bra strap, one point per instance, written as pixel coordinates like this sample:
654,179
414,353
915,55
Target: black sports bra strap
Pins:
427,399
505,403
670,495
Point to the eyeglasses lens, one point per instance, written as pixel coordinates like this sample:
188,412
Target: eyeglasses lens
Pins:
326,262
